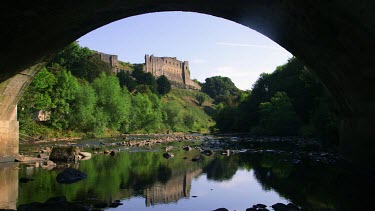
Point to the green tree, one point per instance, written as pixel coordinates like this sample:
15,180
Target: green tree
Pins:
278,117
145,114
82,62
126,80
84,115
201,98
38,95
63,95
164,85
218,85
172,115
143,78
112,101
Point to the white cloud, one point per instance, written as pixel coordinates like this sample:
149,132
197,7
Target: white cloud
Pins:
250,46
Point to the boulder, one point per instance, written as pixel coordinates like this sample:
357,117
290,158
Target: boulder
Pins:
168,155
208,152
43,156
186,148
86,158
85,154
70,175
64,154
226,152
50,163
168,148
106,151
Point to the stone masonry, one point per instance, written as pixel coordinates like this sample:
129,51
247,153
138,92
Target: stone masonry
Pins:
112,60
176,71
10,93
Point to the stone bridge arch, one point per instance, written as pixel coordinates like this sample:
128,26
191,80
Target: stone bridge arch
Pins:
335,38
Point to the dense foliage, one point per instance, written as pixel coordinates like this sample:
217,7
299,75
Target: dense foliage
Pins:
289,101
219,86
82,96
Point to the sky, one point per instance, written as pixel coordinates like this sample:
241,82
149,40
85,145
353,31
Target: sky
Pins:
213,46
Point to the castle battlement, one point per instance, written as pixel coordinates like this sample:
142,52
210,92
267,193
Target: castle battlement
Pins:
176,71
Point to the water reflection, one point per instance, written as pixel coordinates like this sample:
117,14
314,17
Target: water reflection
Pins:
176,188
145,180
8,185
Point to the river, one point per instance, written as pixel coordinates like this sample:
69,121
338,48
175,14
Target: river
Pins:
142,179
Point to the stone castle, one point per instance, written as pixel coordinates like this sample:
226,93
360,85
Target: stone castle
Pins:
176,71
112,60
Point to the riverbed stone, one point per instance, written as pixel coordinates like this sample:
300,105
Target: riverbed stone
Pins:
208,152
168,155
85,154
64,153
186,148
43,156
70,175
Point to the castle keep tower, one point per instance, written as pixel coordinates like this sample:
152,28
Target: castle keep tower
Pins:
176,71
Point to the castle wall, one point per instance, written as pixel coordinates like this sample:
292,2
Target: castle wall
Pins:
112,60
173,69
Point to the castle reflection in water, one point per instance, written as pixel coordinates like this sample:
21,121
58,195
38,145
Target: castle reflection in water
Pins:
174,189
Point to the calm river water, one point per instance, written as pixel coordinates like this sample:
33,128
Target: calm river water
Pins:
144,180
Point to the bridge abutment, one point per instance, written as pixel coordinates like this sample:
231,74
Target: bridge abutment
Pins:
9,136
11,91
357,137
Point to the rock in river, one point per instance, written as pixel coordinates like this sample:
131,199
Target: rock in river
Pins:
168,155
64,154
70,175
85,154
187,148
208,152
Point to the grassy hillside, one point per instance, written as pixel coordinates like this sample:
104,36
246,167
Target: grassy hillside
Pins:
183,100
